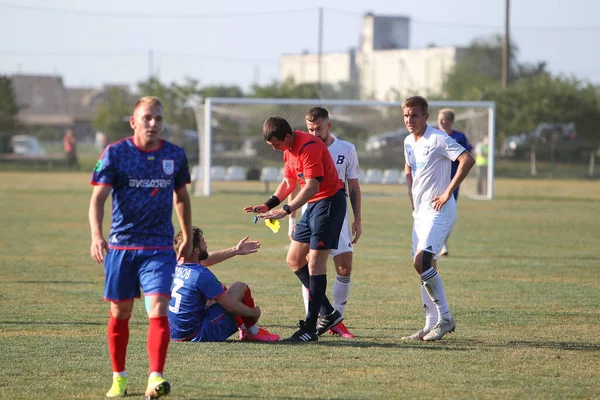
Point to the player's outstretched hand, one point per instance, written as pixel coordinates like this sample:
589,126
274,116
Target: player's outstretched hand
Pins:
97,249
247,247
261,208
274,214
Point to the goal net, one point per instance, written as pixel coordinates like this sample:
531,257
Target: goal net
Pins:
233,157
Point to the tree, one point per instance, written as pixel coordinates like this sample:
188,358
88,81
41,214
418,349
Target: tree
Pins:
221,91
480,66
112,116
8,112
8,105
286,89
543,98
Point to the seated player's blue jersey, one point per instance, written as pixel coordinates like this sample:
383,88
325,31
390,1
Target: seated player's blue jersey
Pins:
193,285
142,192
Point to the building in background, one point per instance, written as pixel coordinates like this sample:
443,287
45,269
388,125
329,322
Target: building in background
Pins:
48,108
384,67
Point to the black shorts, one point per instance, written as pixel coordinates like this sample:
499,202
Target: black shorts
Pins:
322,222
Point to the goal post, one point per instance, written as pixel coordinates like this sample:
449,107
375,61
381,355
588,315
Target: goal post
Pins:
230,137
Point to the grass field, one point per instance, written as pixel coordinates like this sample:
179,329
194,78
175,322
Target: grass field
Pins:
522,280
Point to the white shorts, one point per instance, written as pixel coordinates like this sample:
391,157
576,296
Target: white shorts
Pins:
345,243
431,228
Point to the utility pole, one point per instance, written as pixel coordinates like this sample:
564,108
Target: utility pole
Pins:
506,44
320,51
150,64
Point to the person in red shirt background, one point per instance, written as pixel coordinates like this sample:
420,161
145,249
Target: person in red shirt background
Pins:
70,148
307,162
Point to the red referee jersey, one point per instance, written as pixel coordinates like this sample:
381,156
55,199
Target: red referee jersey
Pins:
309,158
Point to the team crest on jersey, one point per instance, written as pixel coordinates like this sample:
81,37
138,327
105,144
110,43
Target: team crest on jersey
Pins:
168,166
426,150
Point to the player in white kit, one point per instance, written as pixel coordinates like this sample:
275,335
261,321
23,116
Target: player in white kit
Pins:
429,154
346,162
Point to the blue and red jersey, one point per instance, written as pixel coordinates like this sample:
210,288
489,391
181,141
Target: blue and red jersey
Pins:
142,192
193,286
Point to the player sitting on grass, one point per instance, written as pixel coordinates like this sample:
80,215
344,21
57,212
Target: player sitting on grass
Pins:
202,309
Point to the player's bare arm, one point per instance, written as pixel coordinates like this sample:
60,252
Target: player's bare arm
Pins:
285,187
355,202
409,184
465,163
309,190
243,248
183,209
236,307
96,215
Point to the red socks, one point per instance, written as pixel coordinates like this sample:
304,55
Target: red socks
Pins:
158,343
117,333
249,301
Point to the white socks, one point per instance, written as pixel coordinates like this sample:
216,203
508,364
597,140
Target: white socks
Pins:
341,292
305,295
434,286
431,313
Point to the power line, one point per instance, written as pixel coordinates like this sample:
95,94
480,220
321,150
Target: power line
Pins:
93,13
446,24
126,52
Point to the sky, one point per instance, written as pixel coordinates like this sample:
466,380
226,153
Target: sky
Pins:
92,43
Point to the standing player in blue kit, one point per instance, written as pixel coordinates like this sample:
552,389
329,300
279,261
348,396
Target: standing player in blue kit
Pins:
146,176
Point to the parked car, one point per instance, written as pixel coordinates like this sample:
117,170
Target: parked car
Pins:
552,141
27,146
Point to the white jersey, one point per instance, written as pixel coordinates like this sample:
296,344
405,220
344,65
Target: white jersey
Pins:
345,159
430,160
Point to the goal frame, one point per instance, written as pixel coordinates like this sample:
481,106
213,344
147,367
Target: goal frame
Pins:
205,134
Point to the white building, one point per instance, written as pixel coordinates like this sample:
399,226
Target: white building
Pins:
384,67
304,68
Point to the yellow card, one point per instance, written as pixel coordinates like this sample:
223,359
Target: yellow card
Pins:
273,224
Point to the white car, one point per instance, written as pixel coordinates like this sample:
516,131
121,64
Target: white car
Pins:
27,146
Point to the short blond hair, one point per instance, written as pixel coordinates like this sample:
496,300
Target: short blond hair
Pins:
152,100
416,101
447,112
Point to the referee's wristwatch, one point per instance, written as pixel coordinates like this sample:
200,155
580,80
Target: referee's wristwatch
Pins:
287,209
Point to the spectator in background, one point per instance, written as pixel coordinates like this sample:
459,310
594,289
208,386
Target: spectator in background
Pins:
70,148
445,122
481,160
101,141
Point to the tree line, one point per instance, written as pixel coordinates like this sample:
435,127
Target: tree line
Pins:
533,95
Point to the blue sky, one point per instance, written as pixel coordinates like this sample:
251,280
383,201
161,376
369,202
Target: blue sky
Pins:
91,43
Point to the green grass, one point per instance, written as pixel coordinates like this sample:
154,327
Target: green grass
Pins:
523,282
